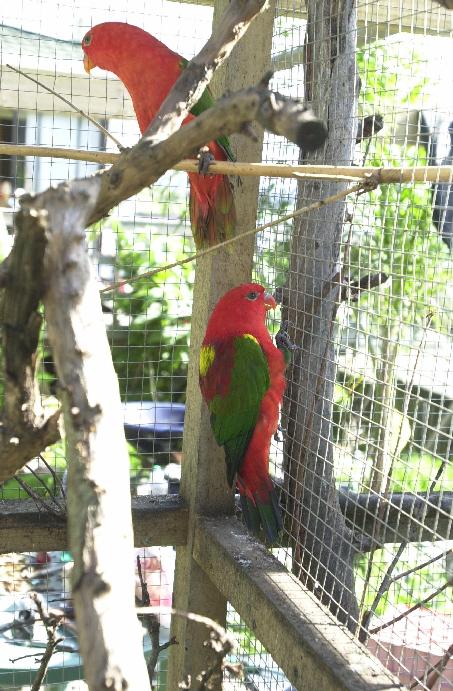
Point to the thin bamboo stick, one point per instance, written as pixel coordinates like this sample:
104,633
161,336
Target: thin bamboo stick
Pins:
333,173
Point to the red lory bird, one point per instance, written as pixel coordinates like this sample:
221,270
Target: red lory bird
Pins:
148,70
242,379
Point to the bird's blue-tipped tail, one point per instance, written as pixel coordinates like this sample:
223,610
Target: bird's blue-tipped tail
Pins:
261,510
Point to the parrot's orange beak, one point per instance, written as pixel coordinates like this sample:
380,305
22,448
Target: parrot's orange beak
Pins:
269,301
88,63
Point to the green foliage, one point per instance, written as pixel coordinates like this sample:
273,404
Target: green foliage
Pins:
11,489
392,232
417,471
391,74
149,334
272,252
400,240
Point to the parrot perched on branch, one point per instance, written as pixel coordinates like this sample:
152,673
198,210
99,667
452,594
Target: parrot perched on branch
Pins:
148,70
242,379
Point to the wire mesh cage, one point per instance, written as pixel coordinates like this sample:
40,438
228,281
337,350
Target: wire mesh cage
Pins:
362,461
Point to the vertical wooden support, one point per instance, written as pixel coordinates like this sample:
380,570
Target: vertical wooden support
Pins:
324,548
204,484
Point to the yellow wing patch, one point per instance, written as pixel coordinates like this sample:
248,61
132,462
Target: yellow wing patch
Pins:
207,355
252,338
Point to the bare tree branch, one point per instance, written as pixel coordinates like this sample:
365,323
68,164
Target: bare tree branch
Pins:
98,468
417,567
193,80
40,502
56,479
53,501
406,613
434,672
147,161
26,429
220,641
51,624
151,621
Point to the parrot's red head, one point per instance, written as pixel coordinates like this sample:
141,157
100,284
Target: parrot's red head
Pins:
106,45
136,57
241,310
114,46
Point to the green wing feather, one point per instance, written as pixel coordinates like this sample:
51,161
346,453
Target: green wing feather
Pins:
234,415
207,101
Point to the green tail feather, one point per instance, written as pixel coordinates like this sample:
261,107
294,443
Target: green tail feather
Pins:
219,222
265,515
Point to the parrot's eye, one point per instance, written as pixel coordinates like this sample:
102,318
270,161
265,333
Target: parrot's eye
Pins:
87,40
252,295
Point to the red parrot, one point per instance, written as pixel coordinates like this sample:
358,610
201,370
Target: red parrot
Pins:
242,379
148,70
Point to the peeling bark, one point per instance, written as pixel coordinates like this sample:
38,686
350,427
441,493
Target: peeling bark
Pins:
26,428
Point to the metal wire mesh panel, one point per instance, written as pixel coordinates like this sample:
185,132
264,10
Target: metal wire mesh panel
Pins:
147,322
378,426
363,459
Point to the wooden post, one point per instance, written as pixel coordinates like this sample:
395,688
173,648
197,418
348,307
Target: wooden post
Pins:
323,545
204,485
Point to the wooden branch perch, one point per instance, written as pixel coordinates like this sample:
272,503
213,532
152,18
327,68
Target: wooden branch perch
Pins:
146,162
26,429
189,87
387,175
98,498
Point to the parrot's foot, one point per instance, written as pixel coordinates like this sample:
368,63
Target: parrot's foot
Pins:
205,158
278,435
282,339
284,344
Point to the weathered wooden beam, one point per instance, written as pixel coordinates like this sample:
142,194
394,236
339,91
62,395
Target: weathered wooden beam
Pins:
412,517
164,521
302,636
378,20
25,528
203,482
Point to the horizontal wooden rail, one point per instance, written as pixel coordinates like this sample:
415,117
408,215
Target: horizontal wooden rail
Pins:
300,633
163,520
305,640
25,528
